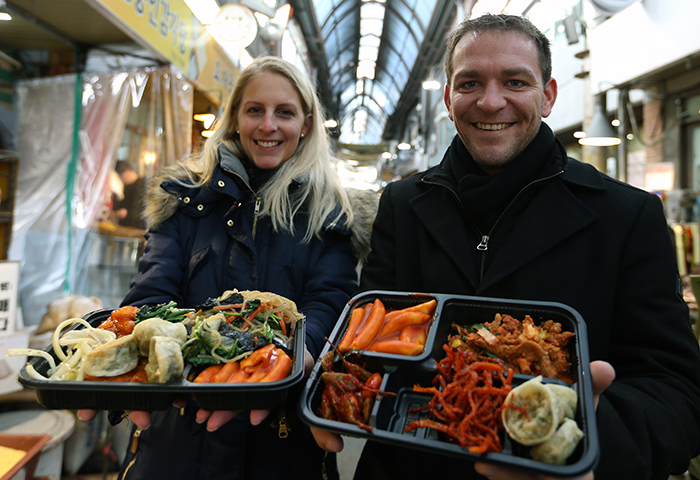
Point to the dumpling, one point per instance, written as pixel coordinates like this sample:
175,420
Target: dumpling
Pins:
546,406
113,358
544,419
144,330
559,446
165,362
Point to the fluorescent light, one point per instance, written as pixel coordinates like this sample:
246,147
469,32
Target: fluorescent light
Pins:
432,85
5,17
404,146
330,123
207,133
365,71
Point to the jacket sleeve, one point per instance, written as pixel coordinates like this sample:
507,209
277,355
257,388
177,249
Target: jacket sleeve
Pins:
331,281
379,271
649,418
161,268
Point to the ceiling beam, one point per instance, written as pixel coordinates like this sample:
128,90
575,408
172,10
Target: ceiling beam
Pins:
305,14
430,54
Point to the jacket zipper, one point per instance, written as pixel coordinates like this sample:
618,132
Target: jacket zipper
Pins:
484,242
258,200
134,450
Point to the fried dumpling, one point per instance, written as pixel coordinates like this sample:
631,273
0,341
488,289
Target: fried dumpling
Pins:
546,405
146,329
112,358
165,361
557,448
543,418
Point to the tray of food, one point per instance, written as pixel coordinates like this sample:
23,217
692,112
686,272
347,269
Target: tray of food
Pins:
238,351
495,380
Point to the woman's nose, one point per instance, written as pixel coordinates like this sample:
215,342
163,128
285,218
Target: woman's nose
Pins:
268,124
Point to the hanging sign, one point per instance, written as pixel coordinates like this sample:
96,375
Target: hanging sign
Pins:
170,30
236,24
266,7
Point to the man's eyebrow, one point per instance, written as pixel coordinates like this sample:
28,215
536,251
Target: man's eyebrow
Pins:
466,74
515,72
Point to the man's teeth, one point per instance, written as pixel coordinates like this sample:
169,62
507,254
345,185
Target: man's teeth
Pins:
268,144
489,126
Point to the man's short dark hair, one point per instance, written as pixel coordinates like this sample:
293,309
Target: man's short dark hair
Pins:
501,23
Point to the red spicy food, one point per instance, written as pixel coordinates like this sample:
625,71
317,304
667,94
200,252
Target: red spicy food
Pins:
468,394
348,396
375,329
527,348
120,321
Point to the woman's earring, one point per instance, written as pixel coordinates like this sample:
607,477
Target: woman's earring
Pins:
302,135
238,132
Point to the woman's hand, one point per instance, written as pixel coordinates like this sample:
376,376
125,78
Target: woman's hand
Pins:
139,418
602,375
217,419
214,419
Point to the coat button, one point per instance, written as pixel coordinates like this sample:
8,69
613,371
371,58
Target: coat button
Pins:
186,200
200,207
222,184
229,223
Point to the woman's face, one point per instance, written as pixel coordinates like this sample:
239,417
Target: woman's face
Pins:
270,120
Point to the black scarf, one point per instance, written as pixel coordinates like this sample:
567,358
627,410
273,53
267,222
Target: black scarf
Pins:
484,197
257,177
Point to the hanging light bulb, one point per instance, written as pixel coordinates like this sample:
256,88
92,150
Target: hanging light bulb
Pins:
206,118
600,133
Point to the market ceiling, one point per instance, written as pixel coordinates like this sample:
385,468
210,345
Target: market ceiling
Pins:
372,57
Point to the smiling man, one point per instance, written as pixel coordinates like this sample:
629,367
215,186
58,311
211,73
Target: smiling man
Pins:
507,214
497,96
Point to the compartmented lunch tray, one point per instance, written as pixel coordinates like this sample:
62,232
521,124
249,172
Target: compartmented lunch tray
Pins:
105,395
391,414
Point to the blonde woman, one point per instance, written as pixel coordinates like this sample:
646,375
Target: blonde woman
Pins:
261,208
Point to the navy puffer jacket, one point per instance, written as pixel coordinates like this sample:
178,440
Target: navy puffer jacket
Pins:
201,244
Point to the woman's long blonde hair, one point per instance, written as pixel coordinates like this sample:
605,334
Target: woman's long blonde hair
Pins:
311,163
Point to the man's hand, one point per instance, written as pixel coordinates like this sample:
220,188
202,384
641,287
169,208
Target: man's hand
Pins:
602,375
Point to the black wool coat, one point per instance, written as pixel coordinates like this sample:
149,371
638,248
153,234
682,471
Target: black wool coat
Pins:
580,238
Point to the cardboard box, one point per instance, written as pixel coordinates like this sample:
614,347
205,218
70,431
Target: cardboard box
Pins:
9,297
11,365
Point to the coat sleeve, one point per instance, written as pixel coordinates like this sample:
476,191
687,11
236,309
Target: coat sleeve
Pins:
161,268
331,281
649,418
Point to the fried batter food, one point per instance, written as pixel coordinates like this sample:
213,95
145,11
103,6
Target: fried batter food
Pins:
527,348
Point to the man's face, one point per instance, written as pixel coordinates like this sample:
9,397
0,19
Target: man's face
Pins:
496,98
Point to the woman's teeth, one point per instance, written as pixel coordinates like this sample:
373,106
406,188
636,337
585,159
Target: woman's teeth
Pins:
267,144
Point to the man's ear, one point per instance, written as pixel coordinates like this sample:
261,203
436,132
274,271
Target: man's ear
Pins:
448,101
550,96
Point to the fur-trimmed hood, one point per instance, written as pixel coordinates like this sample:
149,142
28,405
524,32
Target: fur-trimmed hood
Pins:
161,205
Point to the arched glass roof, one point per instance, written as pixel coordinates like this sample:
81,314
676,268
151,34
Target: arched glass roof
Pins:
372,57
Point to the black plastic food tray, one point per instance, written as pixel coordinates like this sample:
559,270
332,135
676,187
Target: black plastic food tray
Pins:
390,414
57,394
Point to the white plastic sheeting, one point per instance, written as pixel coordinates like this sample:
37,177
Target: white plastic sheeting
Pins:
52,235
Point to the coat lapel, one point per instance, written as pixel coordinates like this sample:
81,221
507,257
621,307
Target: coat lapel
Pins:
449,228
552,216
